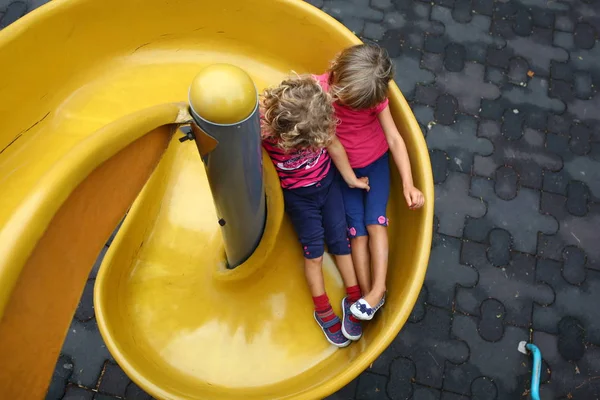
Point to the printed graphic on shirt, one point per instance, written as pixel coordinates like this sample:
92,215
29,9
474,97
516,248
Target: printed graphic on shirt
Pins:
298,169
305,158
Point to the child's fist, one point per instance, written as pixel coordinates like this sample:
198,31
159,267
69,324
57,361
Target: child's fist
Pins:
361,183
414,198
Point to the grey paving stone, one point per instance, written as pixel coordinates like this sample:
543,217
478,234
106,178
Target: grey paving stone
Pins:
402,375
316,3
430,352
371,386
495,76
585,36
576,167
484,7
60,377
517,71
564,40
583,85
453,396
498,361
462,11
474,35
577,301
585,60
134,392
537,50
569,380
114,382
507,182
446,272
535,94
352,9
468,86
446,107
383,5
460,142
523,22
527,155
424,115
453,204
513,284
85,347
410,73
574,231
85,309
373,31
574,265
100,396
13,12
77,393
408,24
564,23
586,109
499,250
577,199
520,216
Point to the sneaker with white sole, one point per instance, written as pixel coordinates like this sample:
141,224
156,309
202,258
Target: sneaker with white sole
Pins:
363,310
337,339
352,330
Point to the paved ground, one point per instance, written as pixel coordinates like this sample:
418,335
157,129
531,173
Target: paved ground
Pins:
506,92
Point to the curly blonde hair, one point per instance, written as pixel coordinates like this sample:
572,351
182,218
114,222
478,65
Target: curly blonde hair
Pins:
359,76
298,114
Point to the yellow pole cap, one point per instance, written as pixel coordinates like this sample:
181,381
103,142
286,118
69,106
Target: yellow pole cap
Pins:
223,94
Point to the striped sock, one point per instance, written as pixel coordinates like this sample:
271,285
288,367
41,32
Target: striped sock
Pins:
325,312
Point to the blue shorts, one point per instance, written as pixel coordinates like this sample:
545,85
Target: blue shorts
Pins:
368,208
318,216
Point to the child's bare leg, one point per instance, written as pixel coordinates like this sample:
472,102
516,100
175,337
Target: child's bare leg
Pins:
362,262
379,249
346,268
313,271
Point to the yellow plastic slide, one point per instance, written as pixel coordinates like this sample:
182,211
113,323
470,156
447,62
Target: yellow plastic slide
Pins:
90,119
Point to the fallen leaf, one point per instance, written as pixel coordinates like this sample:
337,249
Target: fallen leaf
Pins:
530,73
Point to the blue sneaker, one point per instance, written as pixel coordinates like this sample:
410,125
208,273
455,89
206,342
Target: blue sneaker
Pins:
337,339
363,310
352,330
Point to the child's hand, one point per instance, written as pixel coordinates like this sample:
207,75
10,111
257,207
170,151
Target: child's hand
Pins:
361,183
414,198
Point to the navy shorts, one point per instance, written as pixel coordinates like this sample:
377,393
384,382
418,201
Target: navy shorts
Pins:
368,208
318,216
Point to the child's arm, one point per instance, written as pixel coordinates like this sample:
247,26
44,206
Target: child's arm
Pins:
414,197
340,159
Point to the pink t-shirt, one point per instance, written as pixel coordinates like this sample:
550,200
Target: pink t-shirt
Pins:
300,168
359,130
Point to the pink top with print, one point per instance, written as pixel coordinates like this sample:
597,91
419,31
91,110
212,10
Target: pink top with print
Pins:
359,130
300,168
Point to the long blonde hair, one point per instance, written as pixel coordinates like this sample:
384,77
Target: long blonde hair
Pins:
298,114
359,76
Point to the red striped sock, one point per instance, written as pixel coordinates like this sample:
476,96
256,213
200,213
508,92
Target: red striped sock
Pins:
353,294
325,312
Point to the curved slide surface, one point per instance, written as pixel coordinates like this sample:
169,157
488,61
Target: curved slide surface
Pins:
89,134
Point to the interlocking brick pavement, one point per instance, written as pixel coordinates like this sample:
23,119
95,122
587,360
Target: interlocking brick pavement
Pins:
506,92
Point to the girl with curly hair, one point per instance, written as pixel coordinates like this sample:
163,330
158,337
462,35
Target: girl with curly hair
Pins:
298,129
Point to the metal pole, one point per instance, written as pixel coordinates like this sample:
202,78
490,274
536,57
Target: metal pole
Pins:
224,106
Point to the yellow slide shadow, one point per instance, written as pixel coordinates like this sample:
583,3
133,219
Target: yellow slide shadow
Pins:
178,323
